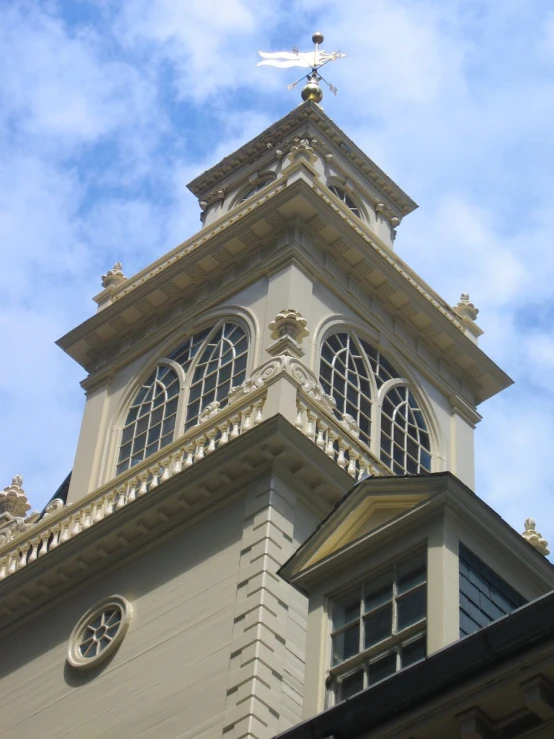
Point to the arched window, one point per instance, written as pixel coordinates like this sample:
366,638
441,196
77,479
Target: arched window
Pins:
345,376
256,188
368,388
346,199
222,365
404,438
202,369
151,418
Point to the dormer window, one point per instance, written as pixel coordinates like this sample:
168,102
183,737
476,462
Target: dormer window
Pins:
256,188
200,371
379,628
346,199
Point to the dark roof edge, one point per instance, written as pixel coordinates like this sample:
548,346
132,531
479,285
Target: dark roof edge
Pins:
461,661
60,494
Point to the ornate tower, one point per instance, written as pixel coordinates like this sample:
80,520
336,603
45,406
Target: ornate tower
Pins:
236,389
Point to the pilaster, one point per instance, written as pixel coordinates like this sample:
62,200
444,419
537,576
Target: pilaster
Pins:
266,675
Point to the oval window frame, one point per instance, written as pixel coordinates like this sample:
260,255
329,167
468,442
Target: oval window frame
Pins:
74,656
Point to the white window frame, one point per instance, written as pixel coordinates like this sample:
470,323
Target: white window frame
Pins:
393,643
184,379
378,393
355,209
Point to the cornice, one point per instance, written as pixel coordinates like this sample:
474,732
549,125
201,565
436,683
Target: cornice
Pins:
274,135
245,265
445,493
274,446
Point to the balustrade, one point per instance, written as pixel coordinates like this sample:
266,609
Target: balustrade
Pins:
197,443
333,438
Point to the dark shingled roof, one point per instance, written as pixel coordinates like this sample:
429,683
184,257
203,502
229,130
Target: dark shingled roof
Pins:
61,493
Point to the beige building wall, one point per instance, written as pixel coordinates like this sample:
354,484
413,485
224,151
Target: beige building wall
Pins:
288,287
216,645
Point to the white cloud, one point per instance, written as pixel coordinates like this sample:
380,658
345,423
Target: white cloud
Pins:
103,123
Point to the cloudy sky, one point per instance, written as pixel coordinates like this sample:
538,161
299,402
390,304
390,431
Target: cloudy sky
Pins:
108,108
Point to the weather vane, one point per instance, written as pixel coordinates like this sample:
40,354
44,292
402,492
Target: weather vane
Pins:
314,60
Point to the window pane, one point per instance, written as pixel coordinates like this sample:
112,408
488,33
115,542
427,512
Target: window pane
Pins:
378,597
414,651
219,367
410,579
347,611
412,608
378,626
382,668
346,644
351,684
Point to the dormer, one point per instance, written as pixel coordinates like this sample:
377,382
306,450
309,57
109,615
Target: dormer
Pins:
400,569
351,178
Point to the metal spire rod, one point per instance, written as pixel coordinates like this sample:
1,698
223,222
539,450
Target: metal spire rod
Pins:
311,59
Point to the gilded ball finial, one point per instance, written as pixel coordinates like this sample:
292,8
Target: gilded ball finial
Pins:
312,90
317,38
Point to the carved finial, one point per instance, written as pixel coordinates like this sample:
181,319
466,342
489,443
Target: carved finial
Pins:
289,322
113,276
466,309
303,149
534,538
13,499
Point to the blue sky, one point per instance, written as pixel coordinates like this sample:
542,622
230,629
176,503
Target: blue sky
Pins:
108,109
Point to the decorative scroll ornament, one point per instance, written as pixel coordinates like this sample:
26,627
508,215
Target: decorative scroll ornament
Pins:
55,505
466,309
211,410
534,538
313,60
114,276
350,424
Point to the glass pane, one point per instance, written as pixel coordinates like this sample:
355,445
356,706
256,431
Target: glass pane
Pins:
410,579
378,597
382,668
347,611
351,684
412,608
127,434
378,626
142,425
346,644
140,442
156,416
125,451
414,651
171,407
153,434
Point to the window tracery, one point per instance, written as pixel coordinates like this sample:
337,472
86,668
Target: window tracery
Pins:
346,199
256,188
202,369
367,387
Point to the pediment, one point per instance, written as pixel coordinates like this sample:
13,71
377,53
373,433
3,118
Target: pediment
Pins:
369,514
367,510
